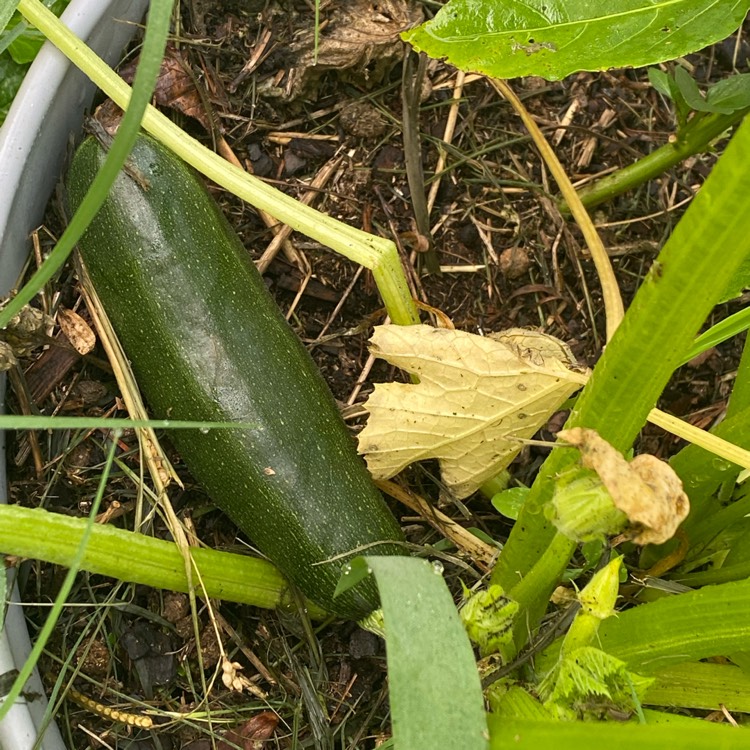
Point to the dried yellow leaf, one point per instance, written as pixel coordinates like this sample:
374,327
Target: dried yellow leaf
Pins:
646,489
77,331
476,398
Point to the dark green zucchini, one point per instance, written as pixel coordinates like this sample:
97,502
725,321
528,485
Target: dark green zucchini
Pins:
207,342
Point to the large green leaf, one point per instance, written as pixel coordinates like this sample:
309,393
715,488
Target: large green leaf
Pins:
552,38
435,693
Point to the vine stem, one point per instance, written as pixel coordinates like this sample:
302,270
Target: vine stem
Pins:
694,138
128,556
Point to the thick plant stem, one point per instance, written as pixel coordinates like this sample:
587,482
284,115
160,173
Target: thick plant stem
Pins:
375,253
127,556
694,138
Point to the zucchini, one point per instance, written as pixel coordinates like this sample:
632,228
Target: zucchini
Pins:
207,342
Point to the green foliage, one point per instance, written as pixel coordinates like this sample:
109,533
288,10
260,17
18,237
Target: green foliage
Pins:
588,682
701,685
435,694
19,45
11,75
7,7
21,41
509,502
698,261
525,734
726,96
488,616
553,38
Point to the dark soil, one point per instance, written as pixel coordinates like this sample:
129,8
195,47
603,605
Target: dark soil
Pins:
509,258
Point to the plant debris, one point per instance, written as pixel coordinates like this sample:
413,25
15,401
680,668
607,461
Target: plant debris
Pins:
477,399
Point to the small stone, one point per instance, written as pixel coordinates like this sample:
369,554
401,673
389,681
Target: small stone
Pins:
362,120
514,262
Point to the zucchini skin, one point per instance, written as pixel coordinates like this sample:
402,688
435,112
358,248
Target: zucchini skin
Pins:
207,342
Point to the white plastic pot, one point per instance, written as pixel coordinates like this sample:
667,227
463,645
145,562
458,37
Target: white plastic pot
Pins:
33,142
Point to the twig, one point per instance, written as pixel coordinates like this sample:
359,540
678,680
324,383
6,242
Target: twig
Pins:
610,292
283,231
481,553
413,77
450,128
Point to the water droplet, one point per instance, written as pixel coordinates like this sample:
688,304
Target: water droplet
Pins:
437,567
204,430
346,569
720,464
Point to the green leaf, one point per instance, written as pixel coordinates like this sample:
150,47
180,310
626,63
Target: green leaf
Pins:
712,621
351,574
435,692
509,502
727,96
11,76
553,38
701,685
725,329
689,89
23,42
730,95
24,48
586,680
660,81
738,283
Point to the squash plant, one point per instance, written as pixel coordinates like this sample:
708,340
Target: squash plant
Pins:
693,272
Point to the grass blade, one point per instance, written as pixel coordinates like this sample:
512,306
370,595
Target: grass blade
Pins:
435,693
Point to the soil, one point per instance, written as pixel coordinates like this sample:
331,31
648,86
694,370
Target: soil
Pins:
243,72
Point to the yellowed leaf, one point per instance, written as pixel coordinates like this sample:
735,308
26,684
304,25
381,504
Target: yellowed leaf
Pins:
475,399
77,330
646,489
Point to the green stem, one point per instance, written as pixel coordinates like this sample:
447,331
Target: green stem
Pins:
127,556
693,139
378,254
